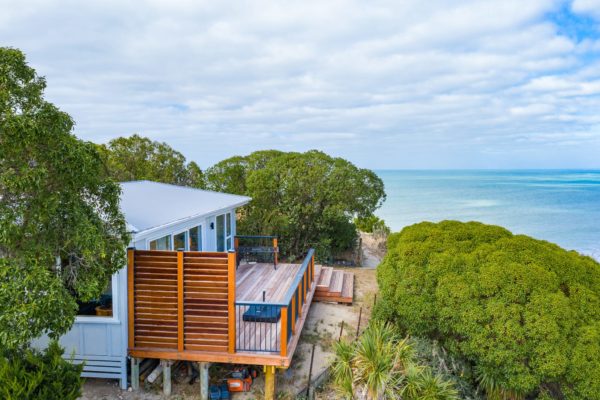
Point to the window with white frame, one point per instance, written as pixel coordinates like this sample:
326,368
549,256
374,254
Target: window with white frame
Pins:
163,243
224,232
195,238
180,241
100,307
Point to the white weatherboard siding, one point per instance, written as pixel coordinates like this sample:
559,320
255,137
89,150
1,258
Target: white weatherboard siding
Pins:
152,210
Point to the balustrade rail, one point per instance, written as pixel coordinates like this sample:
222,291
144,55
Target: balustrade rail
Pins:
254,248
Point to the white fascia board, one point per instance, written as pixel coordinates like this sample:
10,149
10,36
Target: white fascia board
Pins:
150,231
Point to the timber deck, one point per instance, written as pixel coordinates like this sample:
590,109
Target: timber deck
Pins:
180,307
253,279
335,286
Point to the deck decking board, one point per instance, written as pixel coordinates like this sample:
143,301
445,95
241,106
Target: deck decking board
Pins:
252,280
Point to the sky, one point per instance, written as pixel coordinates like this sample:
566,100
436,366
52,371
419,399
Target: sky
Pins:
385,84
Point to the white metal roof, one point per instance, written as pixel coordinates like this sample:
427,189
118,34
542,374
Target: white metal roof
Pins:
148,204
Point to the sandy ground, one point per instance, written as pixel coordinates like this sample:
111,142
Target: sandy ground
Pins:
322,329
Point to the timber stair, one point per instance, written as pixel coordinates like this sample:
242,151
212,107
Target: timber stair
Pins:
335,286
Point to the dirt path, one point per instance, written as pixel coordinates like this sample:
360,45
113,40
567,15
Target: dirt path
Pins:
372,249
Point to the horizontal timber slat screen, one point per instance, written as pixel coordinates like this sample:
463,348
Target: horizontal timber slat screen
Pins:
179,300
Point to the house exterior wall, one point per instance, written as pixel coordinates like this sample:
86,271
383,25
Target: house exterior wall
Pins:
102,341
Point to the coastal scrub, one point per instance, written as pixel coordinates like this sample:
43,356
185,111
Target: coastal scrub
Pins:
524,313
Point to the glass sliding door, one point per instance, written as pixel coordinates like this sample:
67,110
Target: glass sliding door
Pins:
221,232
228,238
224,232
195,238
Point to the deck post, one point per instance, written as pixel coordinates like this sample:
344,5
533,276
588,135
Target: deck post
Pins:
231,264
130,297
180,301
166,364
135,373
203,370
269,382
306,283
275,252
293,314
284,332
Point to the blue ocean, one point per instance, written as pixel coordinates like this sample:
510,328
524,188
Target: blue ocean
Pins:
561,206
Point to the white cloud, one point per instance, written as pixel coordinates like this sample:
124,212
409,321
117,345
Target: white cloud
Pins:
587,7
386,84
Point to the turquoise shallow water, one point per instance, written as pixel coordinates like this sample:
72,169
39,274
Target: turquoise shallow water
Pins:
562,206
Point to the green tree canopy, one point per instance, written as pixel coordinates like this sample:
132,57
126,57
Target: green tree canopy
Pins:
308,199
524,312
62,234
139,158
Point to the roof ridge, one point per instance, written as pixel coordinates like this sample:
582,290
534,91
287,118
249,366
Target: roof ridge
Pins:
184,187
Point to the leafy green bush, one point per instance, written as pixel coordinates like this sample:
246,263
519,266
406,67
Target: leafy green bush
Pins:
31,374
524,312
62,233
383,365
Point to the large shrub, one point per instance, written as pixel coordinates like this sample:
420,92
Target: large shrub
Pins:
308,199
62,234
524,312
30,374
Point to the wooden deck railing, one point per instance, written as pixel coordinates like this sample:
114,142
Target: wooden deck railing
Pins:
181,301
267,326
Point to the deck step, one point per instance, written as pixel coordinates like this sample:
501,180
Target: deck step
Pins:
348,288
325,278
337,282
340,288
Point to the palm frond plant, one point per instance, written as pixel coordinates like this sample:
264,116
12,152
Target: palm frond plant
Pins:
381,364
342,369
489,383
435,387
